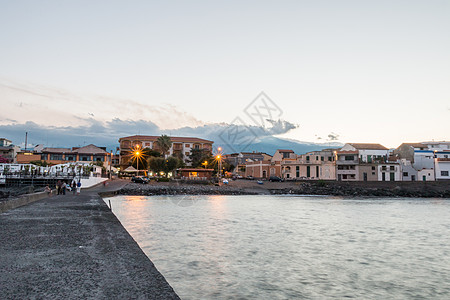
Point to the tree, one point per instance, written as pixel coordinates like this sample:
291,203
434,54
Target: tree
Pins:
164,143
198,156
156,164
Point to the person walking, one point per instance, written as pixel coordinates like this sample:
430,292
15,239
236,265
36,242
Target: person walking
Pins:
78,187
58,187
74,187
63,188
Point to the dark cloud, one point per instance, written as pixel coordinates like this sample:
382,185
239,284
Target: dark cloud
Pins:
108,133
333,136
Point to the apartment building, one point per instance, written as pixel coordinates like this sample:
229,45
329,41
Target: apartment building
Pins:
360,161
8,151
312,165
181,146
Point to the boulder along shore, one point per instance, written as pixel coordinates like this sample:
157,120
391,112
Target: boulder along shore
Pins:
331,188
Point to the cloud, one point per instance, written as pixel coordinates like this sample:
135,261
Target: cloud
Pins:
108,133
333,136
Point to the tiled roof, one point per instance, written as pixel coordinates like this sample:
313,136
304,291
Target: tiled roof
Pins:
368,146
415,145
284,150
89,149
56,150
174,139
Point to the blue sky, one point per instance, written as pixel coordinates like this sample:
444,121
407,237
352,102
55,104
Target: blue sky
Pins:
369,71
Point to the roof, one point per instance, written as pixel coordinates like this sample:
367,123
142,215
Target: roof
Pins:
368,146
414,145
284,150
174,139
89,149
347,152
56,150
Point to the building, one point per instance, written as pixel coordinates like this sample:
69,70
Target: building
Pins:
389,171
8,151
239,160
442,165
195,174
181,146
312,165
360,161
54,156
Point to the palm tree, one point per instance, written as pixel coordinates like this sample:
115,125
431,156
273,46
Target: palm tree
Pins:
164,143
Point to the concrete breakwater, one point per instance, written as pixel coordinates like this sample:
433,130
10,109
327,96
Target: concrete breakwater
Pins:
73,247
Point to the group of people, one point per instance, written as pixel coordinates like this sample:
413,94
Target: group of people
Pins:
62,187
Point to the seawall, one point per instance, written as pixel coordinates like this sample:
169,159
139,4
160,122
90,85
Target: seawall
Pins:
73,247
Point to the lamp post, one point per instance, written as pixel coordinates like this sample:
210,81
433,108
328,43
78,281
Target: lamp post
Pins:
110,164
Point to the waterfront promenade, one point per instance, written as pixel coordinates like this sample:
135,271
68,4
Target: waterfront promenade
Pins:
73,247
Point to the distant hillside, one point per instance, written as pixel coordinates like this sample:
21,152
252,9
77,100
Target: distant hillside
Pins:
270,144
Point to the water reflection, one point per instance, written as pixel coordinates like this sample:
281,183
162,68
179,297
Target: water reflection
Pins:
254,247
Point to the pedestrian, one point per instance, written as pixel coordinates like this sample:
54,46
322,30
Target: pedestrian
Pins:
78,187
74,187
58,187
63,188
48,190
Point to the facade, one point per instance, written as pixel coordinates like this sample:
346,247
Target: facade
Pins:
8,151
181,146
442,165
239,160
360,162
312,165
54,156
390,171
195,174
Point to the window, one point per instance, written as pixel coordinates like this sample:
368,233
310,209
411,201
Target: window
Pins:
349,157
392,168
444,173
187,145
373,173
373,168
317,158
405,174
297,171
186,153
307,158
321,158
56,156
329,158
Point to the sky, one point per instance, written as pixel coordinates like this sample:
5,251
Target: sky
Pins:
351,71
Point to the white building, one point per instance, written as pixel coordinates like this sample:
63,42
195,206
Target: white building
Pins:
389,172
442,165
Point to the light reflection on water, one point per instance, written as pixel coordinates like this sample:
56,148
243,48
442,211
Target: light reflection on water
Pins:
286,247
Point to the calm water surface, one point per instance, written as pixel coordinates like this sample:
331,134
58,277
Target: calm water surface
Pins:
284,247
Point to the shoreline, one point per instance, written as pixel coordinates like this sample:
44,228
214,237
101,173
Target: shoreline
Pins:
353,189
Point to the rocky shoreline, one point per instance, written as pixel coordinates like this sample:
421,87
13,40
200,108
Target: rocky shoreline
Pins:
303,188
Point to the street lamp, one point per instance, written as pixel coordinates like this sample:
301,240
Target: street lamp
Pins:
110,164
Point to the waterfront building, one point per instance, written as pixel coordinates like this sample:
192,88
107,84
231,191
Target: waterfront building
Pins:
312,165
442,165
359,161
181,147
239,160
8,151
54,156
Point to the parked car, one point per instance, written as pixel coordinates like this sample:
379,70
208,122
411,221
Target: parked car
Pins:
275,178
139,179
250,177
